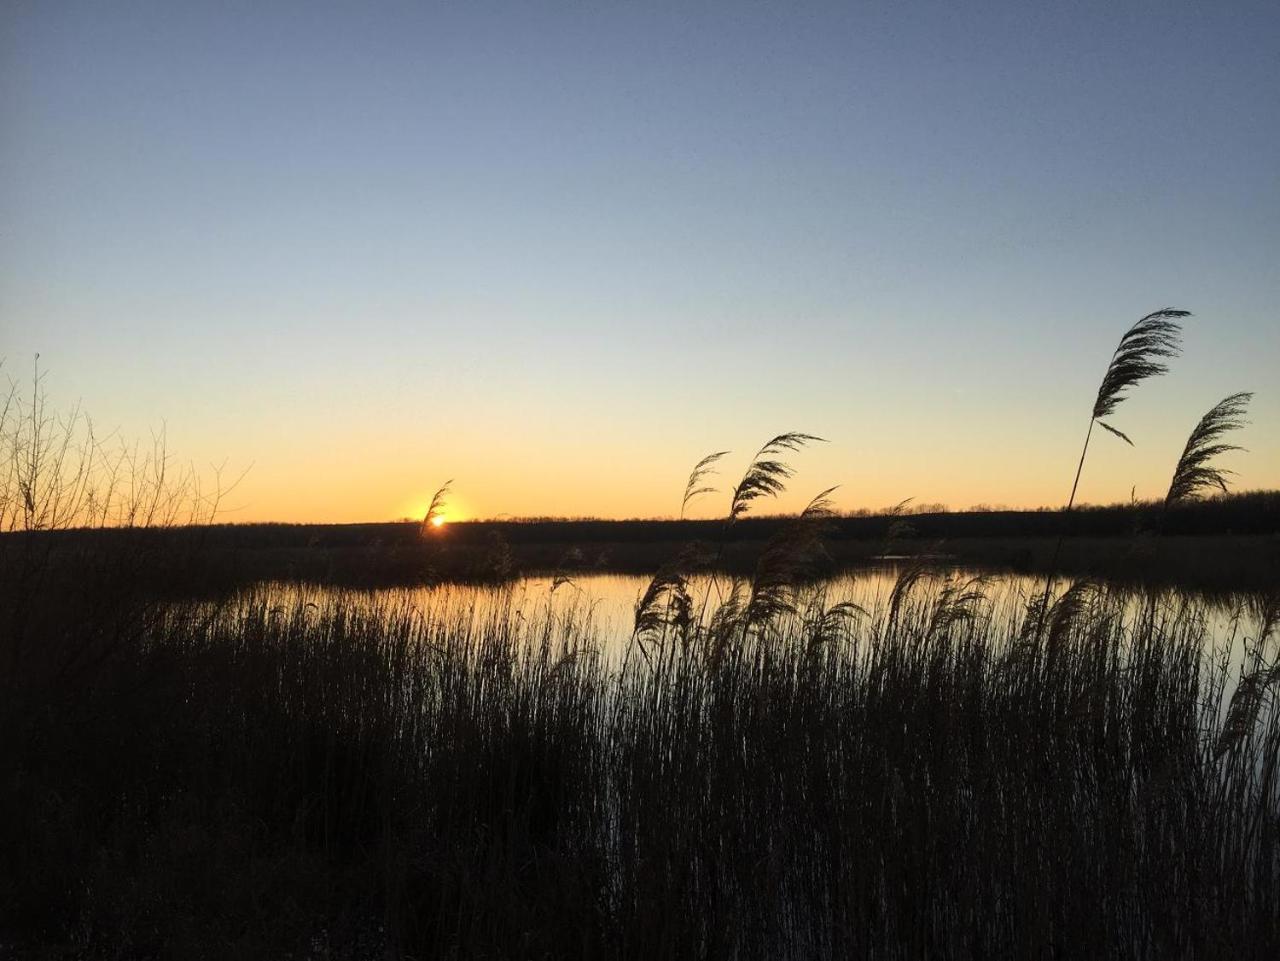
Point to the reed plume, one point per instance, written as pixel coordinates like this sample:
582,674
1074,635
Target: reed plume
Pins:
695,487
725,620
766,476
786,560
1256,684
903,585
831,623
1139,355
1246,704
1069,608
1194,473
436,508
958,602
899,527
666,604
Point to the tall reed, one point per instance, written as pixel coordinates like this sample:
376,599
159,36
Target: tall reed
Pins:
1140,354
925,777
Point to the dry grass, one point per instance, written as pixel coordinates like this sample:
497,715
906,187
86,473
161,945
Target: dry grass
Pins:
924,778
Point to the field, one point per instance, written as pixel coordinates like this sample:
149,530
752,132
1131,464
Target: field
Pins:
948,775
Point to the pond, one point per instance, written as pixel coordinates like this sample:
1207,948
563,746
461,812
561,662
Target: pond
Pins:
597,610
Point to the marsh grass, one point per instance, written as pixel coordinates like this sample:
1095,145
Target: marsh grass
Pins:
923,777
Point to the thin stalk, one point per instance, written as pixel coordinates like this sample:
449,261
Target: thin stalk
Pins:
1057,547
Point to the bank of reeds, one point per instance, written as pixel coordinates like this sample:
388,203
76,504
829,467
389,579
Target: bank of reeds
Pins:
268,776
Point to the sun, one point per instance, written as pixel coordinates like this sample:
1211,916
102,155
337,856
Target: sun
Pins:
438,521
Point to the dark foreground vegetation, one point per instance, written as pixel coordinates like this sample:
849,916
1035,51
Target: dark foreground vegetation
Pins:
942,777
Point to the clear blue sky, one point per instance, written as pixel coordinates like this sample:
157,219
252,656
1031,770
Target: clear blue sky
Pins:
559,251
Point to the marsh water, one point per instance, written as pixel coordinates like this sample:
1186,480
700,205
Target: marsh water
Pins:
597,610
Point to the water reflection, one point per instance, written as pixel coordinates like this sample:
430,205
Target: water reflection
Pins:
598,610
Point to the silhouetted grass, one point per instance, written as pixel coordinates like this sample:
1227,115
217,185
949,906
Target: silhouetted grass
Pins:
1195,472
255,776
1222,543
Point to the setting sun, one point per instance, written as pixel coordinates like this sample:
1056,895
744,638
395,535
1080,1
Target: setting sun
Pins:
438,521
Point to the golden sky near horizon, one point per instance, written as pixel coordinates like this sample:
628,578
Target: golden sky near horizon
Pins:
522,475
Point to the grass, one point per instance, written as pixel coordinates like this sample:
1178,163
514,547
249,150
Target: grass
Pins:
1222,543
249,778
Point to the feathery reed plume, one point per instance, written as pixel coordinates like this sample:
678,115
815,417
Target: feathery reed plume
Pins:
725,620
1266,608
906,580
436,509
832,623
695,486
766,476
821,507
666,604
571,562
1068,608
786,559
957,603
1247,701
1139,355
1194,474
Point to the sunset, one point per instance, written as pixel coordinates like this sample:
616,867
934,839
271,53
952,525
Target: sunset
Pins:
651,480
560,255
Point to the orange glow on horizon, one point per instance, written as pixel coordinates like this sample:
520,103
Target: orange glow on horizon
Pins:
630,479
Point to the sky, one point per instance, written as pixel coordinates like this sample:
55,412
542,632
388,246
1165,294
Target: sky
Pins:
556,252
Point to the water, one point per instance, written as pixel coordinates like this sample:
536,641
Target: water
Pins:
598,610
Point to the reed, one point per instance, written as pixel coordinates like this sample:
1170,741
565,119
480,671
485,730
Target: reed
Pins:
696,485
1140,355
925,777
436,508
1195,473
766,476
